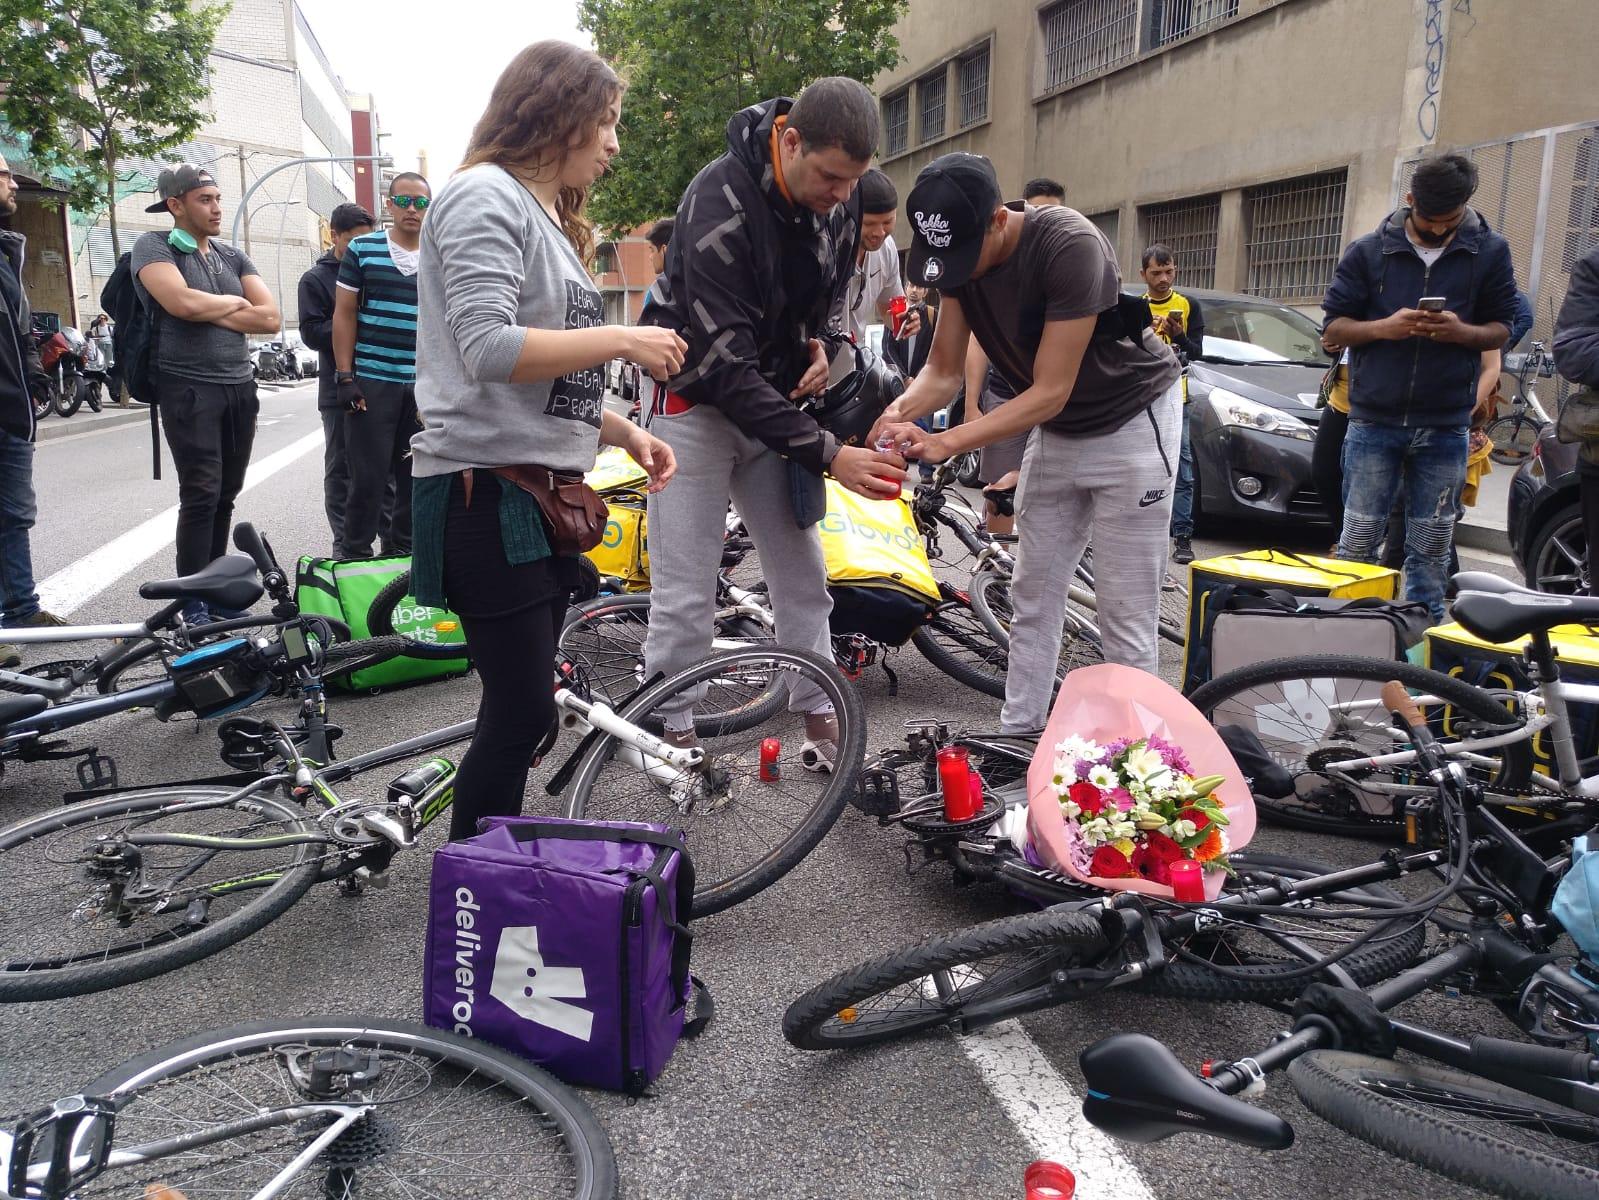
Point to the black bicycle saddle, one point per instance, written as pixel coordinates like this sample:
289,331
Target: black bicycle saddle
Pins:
1139,1092
1507,616
229,582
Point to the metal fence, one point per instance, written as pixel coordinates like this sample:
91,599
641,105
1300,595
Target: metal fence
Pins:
1541,191
1082,37
1295,236
1188,229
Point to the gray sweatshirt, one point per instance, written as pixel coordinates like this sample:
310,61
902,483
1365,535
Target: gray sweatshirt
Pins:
494,264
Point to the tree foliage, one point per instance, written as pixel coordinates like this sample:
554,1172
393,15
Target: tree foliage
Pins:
92,83
691,64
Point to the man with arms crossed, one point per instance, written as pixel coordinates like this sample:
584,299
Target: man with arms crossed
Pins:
1040,289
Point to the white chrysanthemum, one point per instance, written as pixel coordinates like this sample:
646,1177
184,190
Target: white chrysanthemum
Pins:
1102,777
1074,747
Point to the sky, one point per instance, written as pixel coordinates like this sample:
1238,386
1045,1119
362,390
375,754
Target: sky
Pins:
430,64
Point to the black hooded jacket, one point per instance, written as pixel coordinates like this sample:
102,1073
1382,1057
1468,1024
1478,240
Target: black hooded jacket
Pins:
749,279
316,323
20,373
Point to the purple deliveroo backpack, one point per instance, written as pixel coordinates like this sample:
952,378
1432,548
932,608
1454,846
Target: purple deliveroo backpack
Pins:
566,942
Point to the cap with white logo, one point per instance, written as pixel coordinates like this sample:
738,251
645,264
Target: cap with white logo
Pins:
950,208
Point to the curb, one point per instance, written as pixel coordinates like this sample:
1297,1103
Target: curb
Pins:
1482,537
84,421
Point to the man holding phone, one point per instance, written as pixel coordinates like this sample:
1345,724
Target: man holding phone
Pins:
1417,302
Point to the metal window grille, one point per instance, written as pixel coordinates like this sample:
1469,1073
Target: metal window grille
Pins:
1295,236
1082,37
974,87
930,92
1174,20
1188,228
101,261
897,123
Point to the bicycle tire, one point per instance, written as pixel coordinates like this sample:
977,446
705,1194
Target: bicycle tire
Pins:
955,640
174,1078
380,623
718,887
603,640
1513,438
163,950
1081,645
346,658
1320,804
1391,951
829,1016
1381,1102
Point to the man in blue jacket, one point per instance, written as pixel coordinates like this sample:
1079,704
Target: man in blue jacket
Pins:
1417,301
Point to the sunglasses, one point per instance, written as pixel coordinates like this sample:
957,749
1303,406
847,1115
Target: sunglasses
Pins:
420,203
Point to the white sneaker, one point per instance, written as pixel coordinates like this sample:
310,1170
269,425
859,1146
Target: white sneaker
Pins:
819,755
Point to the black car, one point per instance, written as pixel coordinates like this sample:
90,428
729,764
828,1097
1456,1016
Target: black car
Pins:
1544,520
1252,411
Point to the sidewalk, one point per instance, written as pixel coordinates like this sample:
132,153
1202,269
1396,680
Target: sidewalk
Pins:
1483,526
85,421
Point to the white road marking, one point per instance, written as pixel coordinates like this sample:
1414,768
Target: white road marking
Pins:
1047,1111
76,584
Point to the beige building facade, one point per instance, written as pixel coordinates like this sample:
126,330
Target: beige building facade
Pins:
1257,138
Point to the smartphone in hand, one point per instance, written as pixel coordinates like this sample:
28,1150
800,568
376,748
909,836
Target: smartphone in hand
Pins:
1431,303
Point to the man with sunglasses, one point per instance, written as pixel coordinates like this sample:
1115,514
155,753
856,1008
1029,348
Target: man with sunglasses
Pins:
374,350
1417,302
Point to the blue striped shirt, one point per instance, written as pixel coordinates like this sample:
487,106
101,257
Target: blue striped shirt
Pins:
385,332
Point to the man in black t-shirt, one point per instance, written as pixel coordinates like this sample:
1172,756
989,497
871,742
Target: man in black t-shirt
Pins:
1040,289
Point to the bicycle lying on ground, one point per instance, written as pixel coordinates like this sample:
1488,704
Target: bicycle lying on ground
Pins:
114,890
335,1107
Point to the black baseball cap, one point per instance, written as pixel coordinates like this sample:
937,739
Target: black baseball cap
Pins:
950,207
177,181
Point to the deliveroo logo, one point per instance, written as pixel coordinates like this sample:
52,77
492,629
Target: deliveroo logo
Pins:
536,992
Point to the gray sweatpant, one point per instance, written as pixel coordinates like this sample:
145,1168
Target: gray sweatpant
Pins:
1117,490
716,462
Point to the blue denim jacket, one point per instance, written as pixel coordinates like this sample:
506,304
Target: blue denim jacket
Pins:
1417,382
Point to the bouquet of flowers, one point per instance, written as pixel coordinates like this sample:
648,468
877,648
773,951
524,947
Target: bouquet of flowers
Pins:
1129,778
1134,806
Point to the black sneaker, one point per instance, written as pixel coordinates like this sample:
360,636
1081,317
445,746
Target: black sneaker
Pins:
1182,550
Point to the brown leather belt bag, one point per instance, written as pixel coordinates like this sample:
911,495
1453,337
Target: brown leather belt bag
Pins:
573,510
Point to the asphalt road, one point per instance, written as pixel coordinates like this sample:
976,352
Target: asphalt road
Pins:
738,1113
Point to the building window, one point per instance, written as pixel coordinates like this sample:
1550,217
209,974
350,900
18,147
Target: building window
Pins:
1188,229
1172,20
897,123
930,95
974,87
1109,224
1296,230
1083,37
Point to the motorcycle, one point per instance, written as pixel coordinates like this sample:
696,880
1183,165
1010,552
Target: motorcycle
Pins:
53,349
95,379
274,362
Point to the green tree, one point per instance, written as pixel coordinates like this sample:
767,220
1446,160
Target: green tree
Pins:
92,83
691,64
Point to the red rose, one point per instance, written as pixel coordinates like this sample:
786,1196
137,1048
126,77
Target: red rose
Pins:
1110,863
1087,797
1154,857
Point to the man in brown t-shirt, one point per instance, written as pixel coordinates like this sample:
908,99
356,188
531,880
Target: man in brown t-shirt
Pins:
1040,289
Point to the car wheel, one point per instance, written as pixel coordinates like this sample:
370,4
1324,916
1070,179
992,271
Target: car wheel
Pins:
1557,559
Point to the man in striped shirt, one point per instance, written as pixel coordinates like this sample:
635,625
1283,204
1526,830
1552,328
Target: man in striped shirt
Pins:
374,349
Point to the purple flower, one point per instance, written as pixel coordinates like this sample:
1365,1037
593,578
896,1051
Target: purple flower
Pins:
1171,755
1077,848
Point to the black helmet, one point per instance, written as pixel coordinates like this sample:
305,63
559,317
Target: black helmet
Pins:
850,407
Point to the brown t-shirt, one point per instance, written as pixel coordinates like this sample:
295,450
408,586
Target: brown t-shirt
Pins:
1063,268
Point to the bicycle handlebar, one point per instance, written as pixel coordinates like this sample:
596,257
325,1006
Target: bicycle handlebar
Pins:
273,577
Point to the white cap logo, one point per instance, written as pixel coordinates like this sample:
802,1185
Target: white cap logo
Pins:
934,229
932,269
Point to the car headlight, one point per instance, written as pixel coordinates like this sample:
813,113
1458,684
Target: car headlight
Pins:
1233,409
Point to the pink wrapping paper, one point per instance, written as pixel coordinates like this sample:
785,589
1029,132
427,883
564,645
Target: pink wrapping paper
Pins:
1103,703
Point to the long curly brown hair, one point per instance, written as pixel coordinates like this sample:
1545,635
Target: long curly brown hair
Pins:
553,97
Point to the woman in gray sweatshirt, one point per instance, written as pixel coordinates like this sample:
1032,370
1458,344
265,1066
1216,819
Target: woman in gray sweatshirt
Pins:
511,351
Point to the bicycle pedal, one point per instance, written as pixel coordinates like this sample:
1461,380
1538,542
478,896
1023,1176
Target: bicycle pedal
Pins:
877,792
97,771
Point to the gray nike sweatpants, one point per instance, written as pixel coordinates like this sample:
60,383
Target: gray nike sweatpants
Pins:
1117,490
716,462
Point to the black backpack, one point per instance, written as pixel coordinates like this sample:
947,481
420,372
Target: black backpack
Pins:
133,342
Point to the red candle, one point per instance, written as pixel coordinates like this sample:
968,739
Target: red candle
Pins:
897,307
954,777
1188,881
1045,1180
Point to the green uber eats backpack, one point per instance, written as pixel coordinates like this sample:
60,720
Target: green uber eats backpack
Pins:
344,589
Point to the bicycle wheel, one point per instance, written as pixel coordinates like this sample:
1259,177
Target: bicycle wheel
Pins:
929,986
991,601
603,640
745,833
1314,712
955,641
1173,622
82,910
142,664
448,1116
1513,438
343,659
1253,944
1462,1126
430,633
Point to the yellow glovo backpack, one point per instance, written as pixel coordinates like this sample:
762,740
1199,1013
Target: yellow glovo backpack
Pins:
624,550
877,569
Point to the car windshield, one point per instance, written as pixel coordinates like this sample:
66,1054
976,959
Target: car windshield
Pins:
1248,332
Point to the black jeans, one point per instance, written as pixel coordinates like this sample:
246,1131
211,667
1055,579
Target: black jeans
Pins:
210,429
378,444
336,480
511,616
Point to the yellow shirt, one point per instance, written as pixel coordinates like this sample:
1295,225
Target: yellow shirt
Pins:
1177,303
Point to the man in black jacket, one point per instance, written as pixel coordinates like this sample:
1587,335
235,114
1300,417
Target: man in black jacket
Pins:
764,245
316,327
20,377
1577,358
